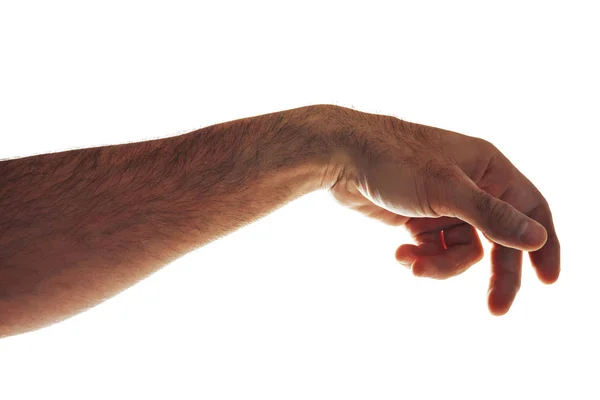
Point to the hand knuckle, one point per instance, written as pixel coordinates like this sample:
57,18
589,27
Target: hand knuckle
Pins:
486,144
439,170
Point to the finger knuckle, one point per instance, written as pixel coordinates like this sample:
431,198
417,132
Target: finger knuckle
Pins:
483,202
515,279
501,214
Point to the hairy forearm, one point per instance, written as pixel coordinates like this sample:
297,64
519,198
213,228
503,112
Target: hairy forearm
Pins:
79,226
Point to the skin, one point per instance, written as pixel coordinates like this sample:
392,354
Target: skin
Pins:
80,226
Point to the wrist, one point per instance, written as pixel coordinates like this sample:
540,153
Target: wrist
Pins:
307,140
344,149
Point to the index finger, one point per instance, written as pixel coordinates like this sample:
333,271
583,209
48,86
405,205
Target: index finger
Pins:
525,197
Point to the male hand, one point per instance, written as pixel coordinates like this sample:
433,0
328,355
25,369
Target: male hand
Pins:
442,185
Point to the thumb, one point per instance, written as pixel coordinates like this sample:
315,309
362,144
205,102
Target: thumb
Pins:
497,219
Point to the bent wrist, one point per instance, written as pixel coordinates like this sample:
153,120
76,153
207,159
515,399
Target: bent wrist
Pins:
305,139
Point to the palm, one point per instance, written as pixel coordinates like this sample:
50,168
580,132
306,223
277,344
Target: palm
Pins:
434,236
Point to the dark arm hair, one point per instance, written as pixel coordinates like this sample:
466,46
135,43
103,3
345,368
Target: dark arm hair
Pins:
79,226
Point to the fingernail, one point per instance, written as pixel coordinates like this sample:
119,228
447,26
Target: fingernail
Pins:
531,234
406,263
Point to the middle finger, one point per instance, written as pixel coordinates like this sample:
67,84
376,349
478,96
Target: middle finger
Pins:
505,281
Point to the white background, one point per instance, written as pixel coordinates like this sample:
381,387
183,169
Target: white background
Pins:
309,302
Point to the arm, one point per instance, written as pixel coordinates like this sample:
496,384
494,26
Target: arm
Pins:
80,226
